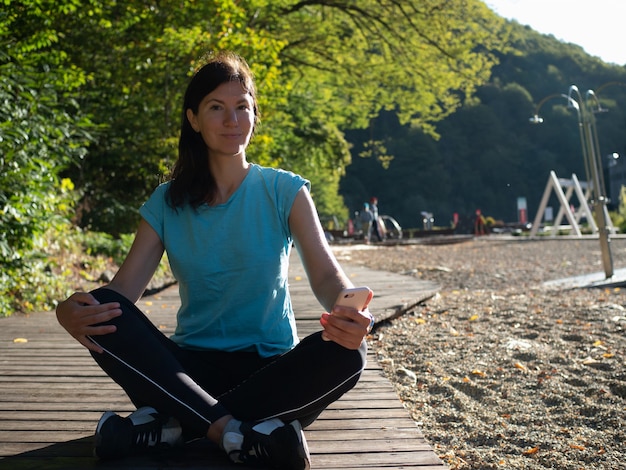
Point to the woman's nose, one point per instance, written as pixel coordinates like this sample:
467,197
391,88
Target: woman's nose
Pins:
230,118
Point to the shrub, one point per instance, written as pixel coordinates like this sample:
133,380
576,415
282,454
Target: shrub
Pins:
40,135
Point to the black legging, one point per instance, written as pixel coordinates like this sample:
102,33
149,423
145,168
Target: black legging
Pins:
199,387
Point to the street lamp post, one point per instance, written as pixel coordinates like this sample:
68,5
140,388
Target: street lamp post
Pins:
593,163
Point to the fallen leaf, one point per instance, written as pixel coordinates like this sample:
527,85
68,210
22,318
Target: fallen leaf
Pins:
518,344
577,447
520,366
473,317
409,373
20,340
589,360
480,373
532,451
149,302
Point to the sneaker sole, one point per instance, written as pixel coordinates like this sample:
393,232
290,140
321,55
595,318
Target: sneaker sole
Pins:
97,450
113,451
304,450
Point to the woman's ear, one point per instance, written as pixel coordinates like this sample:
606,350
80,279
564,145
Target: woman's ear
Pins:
191,117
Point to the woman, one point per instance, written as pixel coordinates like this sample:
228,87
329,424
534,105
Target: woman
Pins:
234,371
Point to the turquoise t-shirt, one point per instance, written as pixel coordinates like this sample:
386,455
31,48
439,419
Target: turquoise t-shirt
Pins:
231,263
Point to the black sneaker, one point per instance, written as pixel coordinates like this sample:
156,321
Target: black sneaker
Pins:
269,444
142,430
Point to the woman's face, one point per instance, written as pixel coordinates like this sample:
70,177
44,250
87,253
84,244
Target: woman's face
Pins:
225,120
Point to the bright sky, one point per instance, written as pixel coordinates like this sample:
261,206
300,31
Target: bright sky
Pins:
595,25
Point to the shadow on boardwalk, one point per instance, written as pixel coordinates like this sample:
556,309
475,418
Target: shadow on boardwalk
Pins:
52,393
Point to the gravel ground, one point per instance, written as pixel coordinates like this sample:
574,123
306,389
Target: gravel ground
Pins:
501,371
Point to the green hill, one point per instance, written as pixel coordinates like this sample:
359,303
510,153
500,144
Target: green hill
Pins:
489,154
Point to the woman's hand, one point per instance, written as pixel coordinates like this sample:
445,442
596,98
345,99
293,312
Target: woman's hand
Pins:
80,312
346,326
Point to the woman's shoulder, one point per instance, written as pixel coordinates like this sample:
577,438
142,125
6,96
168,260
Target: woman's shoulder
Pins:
159,194
272,172
161,190
162,187
278,175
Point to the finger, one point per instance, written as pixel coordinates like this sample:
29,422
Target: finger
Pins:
99,314
349,338
103,308
85,341
343,340
338,324
330,332
90,343
362,319
348,313
100,330
369,299
324,323
92,324
84,298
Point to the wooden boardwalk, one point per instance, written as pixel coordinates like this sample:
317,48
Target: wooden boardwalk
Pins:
52,395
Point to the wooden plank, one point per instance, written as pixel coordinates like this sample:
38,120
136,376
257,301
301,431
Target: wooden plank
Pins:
52,394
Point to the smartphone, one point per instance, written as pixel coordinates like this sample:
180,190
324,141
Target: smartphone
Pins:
355,297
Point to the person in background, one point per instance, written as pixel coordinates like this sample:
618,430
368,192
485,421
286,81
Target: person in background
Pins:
234,371
366,217
376,228
479,223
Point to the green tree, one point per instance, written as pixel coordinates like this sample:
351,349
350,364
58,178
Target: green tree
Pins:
322,68
488,153
39,136
417,58
349,62
135,89
98,85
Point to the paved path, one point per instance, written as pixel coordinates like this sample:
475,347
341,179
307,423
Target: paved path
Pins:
52,393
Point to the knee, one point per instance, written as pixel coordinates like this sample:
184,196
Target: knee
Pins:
334,355
105,295
354,358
